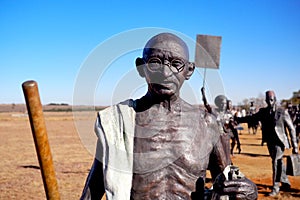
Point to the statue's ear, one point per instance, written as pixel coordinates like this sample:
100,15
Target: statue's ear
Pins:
190,70
139,63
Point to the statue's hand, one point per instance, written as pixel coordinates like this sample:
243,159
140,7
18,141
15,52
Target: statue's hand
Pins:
239,188
203,91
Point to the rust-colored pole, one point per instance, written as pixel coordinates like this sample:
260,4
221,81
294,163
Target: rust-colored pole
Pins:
39,132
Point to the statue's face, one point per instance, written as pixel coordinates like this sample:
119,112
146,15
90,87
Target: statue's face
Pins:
166,64
222,104
229,105
270,99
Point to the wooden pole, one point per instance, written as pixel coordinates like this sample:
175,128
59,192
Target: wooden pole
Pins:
39,133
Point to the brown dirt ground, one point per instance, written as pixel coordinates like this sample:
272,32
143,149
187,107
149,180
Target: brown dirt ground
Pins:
20,177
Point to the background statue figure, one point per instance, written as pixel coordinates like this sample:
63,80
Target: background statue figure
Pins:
233,127
274,121
252,124
225,120
296,121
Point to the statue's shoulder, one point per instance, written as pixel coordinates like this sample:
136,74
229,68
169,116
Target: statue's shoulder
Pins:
263,110
126,106
199,112
282,112
194,108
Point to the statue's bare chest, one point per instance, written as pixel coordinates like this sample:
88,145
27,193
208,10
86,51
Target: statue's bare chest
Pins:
163,138
171,152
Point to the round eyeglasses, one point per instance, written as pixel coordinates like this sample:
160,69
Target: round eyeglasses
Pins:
176,65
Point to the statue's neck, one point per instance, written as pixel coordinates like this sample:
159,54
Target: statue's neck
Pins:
150,99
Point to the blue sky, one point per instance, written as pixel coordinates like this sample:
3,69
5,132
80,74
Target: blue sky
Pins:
49,41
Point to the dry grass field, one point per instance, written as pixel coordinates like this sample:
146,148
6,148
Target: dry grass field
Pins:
20,176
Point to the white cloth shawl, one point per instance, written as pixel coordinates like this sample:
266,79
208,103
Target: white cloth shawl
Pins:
115,131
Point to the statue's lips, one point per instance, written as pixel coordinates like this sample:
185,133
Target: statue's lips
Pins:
164,85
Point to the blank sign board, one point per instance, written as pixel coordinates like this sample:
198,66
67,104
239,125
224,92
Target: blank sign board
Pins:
208,51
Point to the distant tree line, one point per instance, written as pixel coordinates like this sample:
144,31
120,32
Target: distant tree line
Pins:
294,100
57,104
258,102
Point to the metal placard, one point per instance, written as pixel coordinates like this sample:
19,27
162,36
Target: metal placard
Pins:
208,51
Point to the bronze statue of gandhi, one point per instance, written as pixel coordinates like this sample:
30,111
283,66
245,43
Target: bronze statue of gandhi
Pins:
159,146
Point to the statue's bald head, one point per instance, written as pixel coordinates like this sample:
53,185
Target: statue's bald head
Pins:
166,47
220,99
167,42
270,93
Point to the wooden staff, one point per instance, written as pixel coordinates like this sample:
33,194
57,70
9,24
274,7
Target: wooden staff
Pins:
38,128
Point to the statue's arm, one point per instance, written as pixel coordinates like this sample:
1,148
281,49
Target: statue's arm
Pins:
94,186
292,132
254,117
207,106
241,189
218,160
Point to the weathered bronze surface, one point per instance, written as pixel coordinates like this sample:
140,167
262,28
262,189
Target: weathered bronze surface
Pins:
174,143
